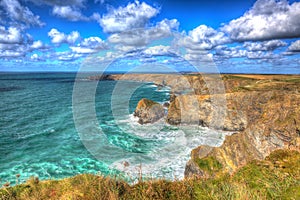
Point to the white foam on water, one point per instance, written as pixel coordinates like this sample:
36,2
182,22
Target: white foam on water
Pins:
164,89
150,86
168,159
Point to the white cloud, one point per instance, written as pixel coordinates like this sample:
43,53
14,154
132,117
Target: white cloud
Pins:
264,46
68,12
267,19
82,50
13,42
38,45
92,42
67,56
208,57
260,55
12,50
20,14
141,37
89,45
59,37
199,40
34,57
238,52
295,46
11,54
10,35
203,38
157,50
230,52
134,15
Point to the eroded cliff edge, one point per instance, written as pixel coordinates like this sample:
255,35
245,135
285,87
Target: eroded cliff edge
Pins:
263,112
273,122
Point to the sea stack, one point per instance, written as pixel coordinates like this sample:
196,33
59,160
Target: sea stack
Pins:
148,111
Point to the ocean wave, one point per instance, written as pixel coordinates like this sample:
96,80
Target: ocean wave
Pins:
169,158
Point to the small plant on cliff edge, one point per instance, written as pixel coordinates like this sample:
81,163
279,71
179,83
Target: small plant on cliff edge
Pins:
209,165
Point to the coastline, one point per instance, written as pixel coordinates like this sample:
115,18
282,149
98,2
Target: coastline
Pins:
257,99
270,106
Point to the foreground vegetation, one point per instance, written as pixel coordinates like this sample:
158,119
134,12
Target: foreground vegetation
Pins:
276,177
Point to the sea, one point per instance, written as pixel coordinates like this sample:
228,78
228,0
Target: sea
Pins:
58,125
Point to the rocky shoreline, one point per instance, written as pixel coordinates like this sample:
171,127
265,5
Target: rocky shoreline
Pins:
263,112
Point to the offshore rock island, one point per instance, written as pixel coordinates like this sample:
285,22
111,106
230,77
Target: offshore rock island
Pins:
262,112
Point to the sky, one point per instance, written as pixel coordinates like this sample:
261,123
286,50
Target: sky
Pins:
232,36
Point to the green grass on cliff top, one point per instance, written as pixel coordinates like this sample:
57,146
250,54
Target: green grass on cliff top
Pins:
277,177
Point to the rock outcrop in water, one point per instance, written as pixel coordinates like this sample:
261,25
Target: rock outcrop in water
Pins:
148,111
103,77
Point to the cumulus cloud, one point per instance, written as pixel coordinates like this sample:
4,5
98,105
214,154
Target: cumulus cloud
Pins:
67,9
12,50
295,46
136,38
199,40
261,55
59,37
89,45
267,19
264,46
11,54
208,57
13,42
134,15
157,50
38,45
203,38
36,57
67,56
230,52
70,13
226,52
19,14
10,35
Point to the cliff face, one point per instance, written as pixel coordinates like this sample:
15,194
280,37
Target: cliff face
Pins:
203,110
263,112
269,107
273,123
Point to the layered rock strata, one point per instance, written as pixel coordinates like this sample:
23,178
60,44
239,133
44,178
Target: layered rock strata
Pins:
262,112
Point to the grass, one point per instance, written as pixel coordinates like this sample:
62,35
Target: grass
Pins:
210,165
276,177
237,77
291,80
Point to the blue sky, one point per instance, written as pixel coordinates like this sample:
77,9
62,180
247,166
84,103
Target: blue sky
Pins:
235,36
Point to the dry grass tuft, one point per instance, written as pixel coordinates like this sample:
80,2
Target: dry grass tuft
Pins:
277,177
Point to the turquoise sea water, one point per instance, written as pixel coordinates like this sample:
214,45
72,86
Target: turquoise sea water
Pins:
38,135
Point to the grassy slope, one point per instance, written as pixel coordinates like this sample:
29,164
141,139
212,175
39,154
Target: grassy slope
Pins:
276,177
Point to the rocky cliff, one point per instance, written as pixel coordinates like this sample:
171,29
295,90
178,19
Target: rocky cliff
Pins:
263,112
273,122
